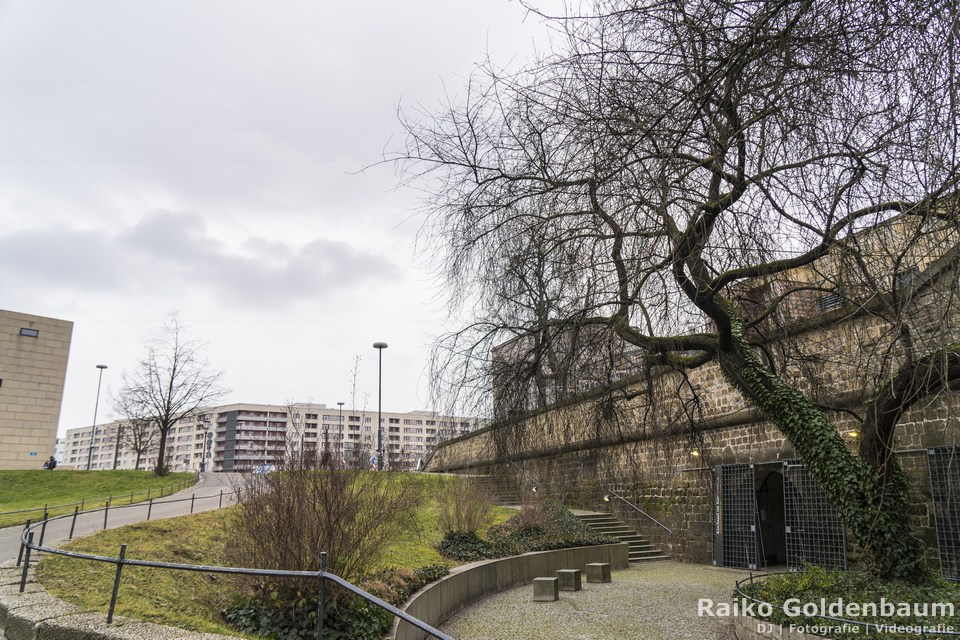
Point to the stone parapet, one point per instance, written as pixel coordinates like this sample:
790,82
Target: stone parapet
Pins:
439,601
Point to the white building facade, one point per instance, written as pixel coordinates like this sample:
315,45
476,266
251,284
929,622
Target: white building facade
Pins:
241,436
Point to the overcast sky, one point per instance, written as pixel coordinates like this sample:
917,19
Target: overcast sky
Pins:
201,156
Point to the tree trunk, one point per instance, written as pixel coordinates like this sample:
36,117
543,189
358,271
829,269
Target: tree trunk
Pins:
161,468
873,506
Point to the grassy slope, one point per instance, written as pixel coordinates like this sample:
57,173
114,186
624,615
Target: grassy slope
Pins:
33,489
190,600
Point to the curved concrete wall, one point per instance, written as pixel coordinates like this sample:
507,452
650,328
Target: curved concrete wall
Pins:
440,600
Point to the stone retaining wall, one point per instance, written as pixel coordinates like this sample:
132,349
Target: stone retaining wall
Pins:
440,600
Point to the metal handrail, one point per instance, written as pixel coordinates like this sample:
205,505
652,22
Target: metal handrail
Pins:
27,546
536,485
84,501
876,626
657,522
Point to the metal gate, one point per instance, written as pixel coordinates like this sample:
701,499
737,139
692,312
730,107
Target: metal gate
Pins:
814,533
944,490
735,516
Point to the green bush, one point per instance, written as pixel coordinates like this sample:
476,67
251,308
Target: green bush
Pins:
285,613
540,527
466,546
814,583
281,614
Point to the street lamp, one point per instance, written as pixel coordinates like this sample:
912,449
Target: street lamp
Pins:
380,346
93,430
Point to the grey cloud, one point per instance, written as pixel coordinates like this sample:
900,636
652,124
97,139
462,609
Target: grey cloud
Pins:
168,252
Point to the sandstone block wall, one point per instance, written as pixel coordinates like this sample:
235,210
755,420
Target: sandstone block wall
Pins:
33,365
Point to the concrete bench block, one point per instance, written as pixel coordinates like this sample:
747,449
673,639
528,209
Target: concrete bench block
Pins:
569,579
545,590
598,572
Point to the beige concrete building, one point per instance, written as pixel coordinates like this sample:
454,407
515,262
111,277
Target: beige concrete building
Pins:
241,436
33,365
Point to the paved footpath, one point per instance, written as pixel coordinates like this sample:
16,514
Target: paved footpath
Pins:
206,493
648,601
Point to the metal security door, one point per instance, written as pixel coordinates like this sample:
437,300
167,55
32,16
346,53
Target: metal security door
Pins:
814,533
944,490
735,516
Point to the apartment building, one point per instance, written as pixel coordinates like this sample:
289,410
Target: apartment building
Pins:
33,365
241,436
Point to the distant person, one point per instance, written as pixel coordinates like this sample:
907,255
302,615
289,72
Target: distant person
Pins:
50,464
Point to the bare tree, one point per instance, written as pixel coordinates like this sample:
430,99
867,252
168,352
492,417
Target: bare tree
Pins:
139,432
683,177
359,456
172,380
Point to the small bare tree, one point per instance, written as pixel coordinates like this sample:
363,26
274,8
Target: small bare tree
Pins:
172,380
359,457
139,432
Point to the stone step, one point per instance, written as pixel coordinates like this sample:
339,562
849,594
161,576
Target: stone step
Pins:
650,558
599,517
640,549
614,530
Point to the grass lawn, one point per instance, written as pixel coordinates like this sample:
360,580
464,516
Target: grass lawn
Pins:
195,600
35,488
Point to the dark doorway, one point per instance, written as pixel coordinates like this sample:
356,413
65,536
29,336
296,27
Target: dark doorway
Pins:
771,532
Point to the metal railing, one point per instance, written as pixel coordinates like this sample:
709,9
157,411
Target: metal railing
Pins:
27,547
919,630
611,492
536,485
81,506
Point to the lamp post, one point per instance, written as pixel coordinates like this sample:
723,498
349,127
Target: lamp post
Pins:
380,346
93,430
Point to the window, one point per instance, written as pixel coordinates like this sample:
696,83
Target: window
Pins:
829,301
904,279
394,420
29,333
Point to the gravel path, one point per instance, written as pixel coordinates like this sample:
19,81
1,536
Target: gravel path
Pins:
651,601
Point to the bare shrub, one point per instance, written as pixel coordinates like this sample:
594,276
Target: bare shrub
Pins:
532,517
286,519
462,506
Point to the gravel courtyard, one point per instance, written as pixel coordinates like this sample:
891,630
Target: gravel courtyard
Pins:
652,601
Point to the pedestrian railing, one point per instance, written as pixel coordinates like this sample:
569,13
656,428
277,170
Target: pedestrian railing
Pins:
28,546
90,504
868,629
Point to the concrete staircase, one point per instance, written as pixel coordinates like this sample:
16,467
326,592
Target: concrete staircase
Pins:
502,491
641,550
